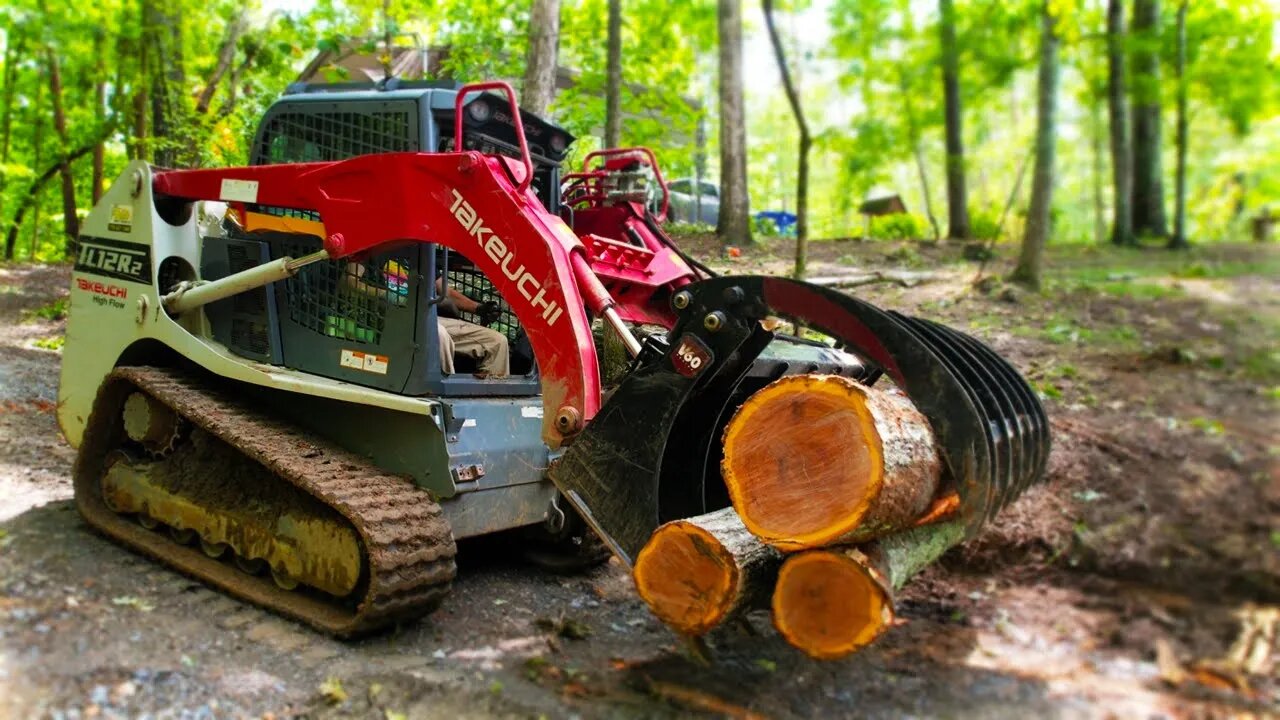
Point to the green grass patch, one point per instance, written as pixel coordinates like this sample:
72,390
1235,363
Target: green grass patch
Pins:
55,310
54,343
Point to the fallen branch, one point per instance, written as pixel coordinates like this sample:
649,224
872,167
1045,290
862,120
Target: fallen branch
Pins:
904,279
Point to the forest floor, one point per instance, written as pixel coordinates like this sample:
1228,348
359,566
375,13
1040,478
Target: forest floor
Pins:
1141,580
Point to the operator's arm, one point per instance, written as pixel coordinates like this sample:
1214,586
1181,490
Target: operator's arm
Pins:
462,302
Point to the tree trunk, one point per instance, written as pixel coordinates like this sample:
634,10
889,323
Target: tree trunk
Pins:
957,194
806,142
169,122
831,602
913,135
141,150
540,62
12,47
697,573
38,148
734,225
37,188
1096,131
227,55
1179,239
70,221
1031,259
1118,116
99,113
1148,186
814,460
613,78
387,41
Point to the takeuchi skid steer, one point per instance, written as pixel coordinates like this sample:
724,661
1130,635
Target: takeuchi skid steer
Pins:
258,401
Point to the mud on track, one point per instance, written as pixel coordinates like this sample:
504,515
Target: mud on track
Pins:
1056,611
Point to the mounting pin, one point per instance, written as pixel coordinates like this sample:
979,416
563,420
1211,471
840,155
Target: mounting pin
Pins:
681,300
714,321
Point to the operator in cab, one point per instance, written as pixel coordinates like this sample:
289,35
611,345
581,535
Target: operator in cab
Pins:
457,336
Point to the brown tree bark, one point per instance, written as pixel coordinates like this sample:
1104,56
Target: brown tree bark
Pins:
70,221
806,143
12,48
33,195
1148,184
814,460
697,573
1031,259
957,192
734,224
1179,239
1118,117
541,59
831,602
613,78
99,113
37,143
226,57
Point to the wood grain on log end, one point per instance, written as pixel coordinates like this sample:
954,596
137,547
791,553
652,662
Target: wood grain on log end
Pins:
815,460
697,573
829,604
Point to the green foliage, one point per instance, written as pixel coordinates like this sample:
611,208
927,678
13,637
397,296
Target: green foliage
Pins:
899,226
55,310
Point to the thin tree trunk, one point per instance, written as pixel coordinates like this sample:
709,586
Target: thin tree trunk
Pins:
734,225
913,133
11,49
806,142
1096,132
227,55
1118,116
1031,259
36,190
38,145
1148,185
1179,239
141,101
613,78
70,221
386,41
957,193
99,112
540,62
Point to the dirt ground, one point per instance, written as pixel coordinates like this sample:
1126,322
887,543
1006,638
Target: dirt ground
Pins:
1140,580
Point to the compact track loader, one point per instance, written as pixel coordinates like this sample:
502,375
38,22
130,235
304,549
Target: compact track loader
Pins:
260,401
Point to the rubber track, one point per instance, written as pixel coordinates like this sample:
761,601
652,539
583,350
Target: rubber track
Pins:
408,545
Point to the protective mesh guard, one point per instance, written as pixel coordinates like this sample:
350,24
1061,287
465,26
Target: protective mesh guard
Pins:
346,299
327,136
475,285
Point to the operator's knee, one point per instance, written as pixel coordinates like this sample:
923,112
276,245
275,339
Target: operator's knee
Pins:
497,354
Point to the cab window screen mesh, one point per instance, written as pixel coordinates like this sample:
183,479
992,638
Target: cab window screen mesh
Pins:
346,299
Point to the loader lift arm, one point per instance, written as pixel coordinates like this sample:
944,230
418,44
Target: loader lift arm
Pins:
466,202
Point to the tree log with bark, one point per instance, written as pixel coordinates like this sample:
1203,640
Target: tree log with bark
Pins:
695,574
815,460
833,601
540,62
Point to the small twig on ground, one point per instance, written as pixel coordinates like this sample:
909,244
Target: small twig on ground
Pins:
1080,431
903,279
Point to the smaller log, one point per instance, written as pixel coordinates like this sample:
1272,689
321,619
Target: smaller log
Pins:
831,602
816,460
697,573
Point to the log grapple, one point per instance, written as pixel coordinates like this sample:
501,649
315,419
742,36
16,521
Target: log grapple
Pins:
260,401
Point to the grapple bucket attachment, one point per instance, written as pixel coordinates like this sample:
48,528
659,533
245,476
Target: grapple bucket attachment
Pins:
651,454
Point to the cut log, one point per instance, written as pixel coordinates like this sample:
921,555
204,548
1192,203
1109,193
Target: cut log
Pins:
697,573
815,460
833,601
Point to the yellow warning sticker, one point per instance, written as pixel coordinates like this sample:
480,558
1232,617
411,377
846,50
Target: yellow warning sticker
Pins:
121,219
363,361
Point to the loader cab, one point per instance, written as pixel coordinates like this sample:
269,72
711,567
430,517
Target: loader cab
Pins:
373,322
